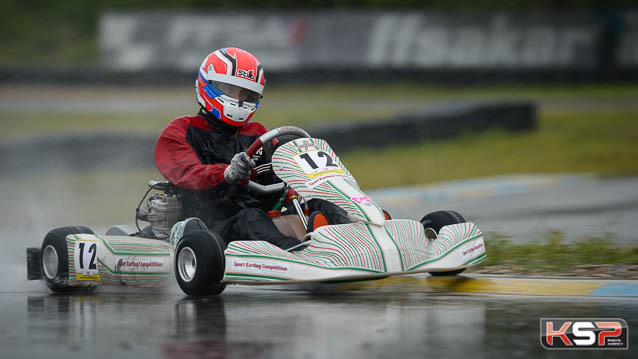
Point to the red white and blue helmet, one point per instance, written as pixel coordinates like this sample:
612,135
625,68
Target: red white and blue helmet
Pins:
230,84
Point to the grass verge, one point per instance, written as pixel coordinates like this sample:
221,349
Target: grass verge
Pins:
596,141
151,108
569,139
603,141
596,256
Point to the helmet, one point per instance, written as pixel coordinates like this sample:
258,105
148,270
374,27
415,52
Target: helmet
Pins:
229,85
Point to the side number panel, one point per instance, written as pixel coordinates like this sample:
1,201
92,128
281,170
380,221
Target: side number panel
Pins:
85,257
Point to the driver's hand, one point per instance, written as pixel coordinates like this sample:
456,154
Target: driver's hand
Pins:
239,168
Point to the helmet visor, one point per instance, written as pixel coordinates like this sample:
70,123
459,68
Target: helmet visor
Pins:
236,92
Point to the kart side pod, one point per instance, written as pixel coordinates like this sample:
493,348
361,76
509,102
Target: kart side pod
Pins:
72,258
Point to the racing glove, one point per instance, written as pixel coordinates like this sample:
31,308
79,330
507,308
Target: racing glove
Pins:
239,168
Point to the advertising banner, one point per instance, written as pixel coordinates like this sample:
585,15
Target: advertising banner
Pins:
343,40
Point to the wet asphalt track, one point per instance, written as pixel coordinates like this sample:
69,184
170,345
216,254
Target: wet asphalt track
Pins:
528,207
258,322
266,323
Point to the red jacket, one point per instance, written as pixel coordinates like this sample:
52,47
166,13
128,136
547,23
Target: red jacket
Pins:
182,164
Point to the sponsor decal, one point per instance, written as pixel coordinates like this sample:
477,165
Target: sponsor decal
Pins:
584,333
362,200
326,177
91,277
246,74
258,154
306,146
473,249
240,265
133,264
85,258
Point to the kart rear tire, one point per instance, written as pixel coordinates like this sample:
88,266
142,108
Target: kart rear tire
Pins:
436,221
200,263
56,275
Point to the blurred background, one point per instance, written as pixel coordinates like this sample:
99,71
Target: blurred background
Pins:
86,87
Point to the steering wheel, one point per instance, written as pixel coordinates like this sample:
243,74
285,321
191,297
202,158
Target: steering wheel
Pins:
294,132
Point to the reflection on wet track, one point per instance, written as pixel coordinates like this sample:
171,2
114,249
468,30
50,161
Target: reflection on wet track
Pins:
250,323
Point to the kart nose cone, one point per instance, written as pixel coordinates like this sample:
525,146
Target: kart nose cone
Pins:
50,262
187,264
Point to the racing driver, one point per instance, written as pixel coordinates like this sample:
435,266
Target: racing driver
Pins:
203,154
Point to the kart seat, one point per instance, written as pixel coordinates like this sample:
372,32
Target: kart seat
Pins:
291,226
121,230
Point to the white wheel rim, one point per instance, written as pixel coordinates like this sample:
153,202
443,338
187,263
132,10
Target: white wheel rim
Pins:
50,261
187,264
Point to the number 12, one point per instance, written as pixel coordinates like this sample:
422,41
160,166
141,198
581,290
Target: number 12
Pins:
91,250
313,164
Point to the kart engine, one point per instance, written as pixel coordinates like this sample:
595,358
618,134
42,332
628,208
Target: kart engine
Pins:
162,210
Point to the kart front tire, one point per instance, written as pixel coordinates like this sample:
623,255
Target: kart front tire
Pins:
436,221
439,219
200,263
449,273
54,260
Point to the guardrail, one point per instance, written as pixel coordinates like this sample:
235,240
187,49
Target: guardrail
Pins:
121,151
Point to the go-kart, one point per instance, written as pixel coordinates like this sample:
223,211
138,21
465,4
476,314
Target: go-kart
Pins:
373,246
